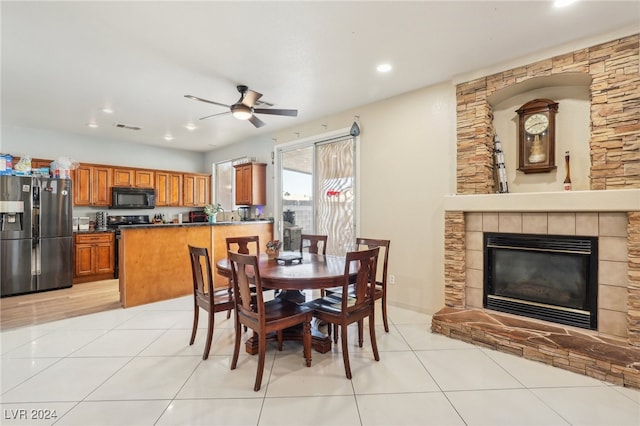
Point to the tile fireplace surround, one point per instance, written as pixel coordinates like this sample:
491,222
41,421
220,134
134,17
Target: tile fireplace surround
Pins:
610,353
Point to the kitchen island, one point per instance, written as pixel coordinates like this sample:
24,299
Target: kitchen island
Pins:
154,259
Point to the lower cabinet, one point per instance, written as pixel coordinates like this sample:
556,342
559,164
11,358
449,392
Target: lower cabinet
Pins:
93,256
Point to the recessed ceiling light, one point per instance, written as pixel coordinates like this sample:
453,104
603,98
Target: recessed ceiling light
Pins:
384,67
107,110
92,125
190,126
168,137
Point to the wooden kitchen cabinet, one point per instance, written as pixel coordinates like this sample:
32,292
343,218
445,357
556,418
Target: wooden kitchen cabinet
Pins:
93,256
196,189
37,163
122,177
251,184
144,178
138,178
91,185
168,187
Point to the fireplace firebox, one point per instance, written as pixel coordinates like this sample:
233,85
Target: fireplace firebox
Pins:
548,277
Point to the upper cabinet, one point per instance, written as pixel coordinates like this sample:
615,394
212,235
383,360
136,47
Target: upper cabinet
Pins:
168,188
139,178
196,190
144,178
251,184
91,185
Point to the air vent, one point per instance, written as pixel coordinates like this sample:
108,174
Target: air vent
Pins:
126,126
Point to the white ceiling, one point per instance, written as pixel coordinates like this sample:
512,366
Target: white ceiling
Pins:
62,62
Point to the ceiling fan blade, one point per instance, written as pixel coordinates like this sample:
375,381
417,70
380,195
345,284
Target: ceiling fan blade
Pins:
195,98
275,111
256,121
215,115
250,98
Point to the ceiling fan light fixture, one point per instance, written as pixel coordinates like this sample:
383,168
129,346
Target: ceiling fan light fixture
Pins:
241,112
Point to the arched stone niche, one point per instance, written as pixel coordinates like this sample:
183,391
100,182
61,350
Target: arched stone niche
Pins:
571,91
614,95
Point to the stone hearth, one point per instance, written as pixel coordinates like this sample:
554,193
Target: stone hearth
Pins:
603,358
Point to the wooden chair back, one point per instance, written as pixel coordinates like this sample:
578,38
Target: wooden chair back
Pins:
362,296
245,276
314,242
244,245
384,248
202,277
381,279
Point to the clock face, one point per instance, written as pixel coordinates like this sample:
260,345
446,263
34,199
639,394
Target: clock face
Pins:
536,124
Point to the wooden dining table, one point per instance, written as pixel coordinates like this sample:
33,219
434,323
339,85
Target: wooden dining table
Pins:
311,272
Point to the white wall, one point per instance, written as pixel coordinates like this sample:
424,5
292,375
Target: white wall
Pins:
37,143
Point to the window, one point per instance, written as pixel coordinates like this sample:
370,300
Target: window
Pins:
224,185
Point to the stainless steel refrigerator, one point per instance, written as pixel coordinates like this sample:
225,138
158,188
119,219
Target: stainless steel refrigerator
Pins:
36,235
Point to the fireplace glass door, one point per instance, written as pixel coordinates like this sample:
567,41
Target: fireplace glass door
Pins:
549,277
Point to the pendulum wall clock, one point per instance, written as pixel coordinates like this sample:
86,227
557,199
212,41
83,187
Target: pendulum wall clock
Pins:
536,136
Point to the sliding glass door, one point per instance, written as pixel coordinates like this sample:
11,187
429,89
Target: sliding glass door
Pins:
317,193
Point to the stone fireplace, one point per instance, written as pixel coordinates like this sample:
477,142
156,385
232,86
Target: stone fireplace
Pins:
608,213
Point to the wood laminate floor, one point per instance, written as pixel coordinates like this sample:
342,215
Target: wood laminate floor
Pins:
38,308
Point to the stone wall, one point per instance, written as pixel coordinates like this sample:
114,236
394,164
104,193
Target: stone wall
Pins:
615,115
454,259
633,298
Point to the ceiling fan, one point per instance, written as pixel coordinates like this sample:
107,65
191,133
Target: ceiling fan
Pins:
245,109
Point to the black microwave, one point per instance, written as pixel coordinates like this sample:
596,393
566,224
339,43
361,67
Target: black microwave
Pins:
124,197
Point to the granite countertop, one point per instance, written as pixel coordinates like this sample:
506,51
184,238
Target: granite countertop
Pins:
93,231
164,225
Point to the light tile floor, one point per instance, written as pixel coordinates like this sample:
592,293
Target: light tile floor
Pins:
135,367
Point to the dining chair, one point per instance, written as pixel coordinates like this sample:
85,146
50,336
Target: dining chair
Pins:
346,308
204,295
314,243
263,317
381,279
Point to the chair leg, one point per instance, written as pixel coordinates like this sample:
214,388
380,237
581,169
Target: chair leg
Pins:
236,347
372,335
335,333
229,291
207,346
384,314
345,351
360,333
306,341
262,350
196,314
280,340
